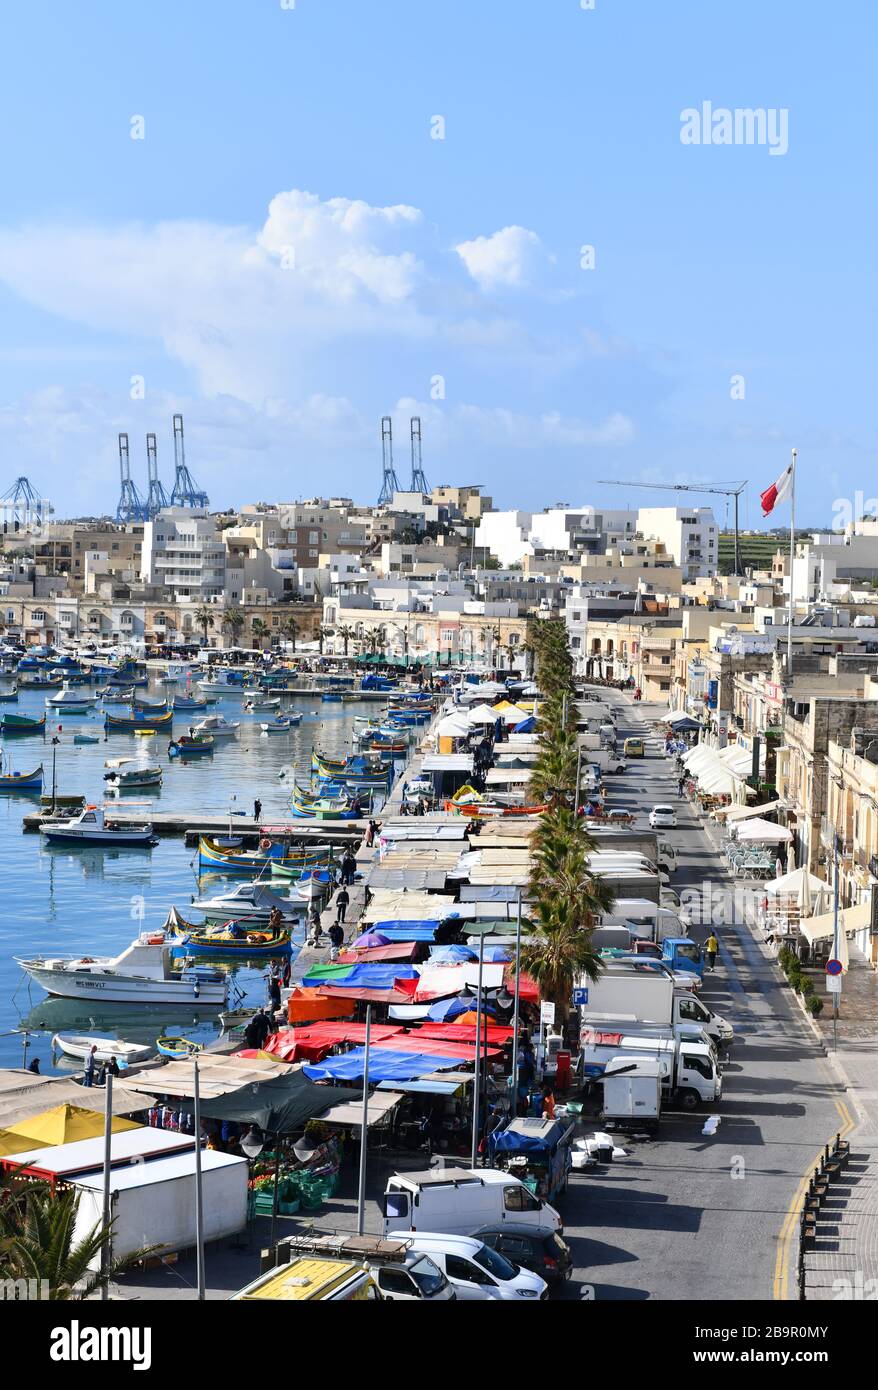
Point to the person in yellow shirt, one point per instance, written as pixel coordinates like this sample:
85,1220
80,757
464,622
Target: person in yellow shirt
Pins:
711,946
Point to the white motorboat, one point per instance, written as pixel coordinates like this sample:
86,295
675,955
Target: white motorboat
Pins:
251,902
69,698
132,772
226,683
217,726
281,725
90,828
262,702
79,1045
142,973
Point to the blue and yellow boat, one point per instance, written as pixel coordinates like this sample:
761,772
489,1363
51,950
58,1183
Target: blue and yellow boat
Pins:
138,719
215,857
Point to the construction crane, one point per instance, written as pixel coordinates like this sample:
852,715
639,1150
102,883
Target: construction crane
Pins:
419,482
185,493
22,508
720,489
131,506
389,480
157,498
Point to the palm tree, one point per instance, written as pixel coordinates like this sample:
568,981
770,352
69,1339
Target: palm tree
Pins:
291,630
233,621
559,954
345,633
553,776
37,1243
204,619
259,630
376,640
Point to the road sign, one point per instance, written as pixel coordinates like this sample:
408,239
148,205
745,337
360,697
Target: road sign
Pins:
580,996
834,967
547,1013
833,984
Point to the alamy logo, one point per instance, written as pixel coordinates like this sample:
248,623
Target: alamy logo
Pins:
709,125
76,1343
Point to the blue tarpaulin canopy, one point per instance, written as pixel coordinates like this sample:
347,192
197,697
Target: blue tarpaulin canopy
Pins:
398,930
444,1010
384,1065
426,1088
527,1136
366,975
526,726
496,953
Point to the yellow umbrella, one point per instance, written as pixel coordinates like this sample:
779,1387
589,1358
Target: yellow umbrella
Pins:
64,1124
16,1143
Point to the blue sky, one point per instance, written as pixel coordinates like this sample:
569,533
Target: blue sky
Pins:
287,255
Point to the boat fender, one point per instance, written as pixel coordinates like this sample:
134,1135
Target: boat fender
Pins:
265,843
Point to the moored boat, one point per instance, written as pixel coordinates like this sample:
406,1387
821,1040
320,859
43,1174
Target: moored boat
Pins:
11,781
251,902
79,1045
137,719
90,828
142,973
21,724
216,857
217,726
132,772
200,746
178,1049
226,939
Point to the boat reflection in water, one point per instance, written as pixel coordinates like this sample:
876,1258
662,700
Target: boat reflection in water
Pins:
135,1023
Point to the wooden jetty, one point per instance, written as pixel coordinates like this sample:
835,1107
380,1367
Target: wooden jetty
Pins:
191,826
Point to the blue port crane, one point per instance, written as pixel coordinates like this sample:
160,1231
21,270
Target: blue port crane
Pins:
131,505
185,493
157,498
419,482
22,508
389,480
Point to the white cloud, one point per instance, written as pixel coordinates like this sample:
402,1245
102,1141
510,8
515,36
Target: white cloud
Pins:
509,258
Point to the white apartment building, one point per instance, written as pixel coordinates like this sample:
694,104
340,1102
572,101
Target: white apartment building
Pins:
690,534
184,554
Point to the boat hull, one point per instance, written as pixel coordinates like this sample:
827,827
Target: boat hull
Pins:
126,838
127,989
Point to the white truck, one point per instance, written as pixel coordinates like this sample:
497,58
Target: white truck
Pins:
153,1203
632,1093
650,995
645,919
690,1076
622,863
461,1201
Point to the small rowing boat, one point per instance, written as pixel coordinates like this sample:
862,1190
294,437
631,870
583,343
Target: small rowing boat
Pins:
79,1045
178,1048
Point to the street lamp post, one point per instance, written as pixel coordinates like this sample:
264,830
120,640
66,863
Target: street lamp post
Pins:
478,1069
515,1011
55,742
199,1211
364,1127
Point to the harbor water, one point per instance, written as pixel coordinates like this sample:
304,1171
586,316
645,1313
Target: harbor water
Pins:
60,900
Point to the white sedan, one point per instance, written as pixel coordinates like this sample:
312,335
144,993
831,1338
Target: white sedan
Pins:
662,818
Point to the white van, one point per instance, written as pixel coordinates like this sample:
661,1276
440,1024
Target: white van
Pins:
460,1200
477,1272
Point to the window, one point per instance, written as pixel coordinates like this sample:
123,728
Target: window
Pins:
466,1271
396,1281
519,1199
39,616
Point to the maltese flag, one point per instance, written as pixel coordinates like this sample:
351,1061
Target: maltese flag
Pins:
779,491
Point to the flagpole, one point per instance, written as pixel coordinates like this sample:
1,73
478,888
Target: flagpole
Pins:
792,561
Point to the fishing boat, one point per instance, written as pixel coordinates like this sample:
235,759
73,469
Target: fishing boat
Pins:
281,725
225,683
117,697
79,1045
137,719
132,772
188,747
251,902
125,682
8,697
192,702
358,771
217,856
226,939
40,681
177,1048
21,724
69,701
11,781
86,738
262,702
326,808
150,706
331,697
218,726
142,973
91,828
314,883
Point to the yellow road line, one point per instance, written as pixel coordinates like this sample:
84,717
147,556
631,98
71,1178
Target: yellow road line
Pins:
780,1285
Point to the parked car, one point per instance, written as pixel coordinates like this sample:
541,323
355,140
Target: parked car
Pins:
662,818
478,1272
418,1278
633,748
538,1249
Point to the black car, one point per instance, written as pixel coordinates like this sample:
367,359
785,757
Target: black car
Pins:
536,1248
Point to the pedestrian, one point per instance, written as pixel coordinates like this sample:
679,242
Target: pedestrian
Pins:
90,1063
369,837
315,927
275,921
681,782
711,946
342,898
112,1066
336,940
35,1066
273,978
348,868
261,1027
287,973
257,809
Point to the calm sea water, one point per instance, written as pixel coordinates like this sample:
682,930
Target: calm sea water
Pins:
95,901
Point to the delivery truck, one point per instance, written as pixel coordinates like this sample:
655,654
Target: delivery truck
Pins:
645,919
153,1203
690,1076
460,1201
632,1093
648,995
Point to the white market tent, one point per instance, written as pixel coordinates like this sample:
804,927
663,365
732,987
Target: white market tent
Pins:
453,726
804,889
484,714
764,832
730,814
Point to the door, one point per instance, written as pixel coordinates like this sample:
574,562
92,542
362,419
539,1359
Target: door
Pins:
397,1284
473,1283
397,1207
